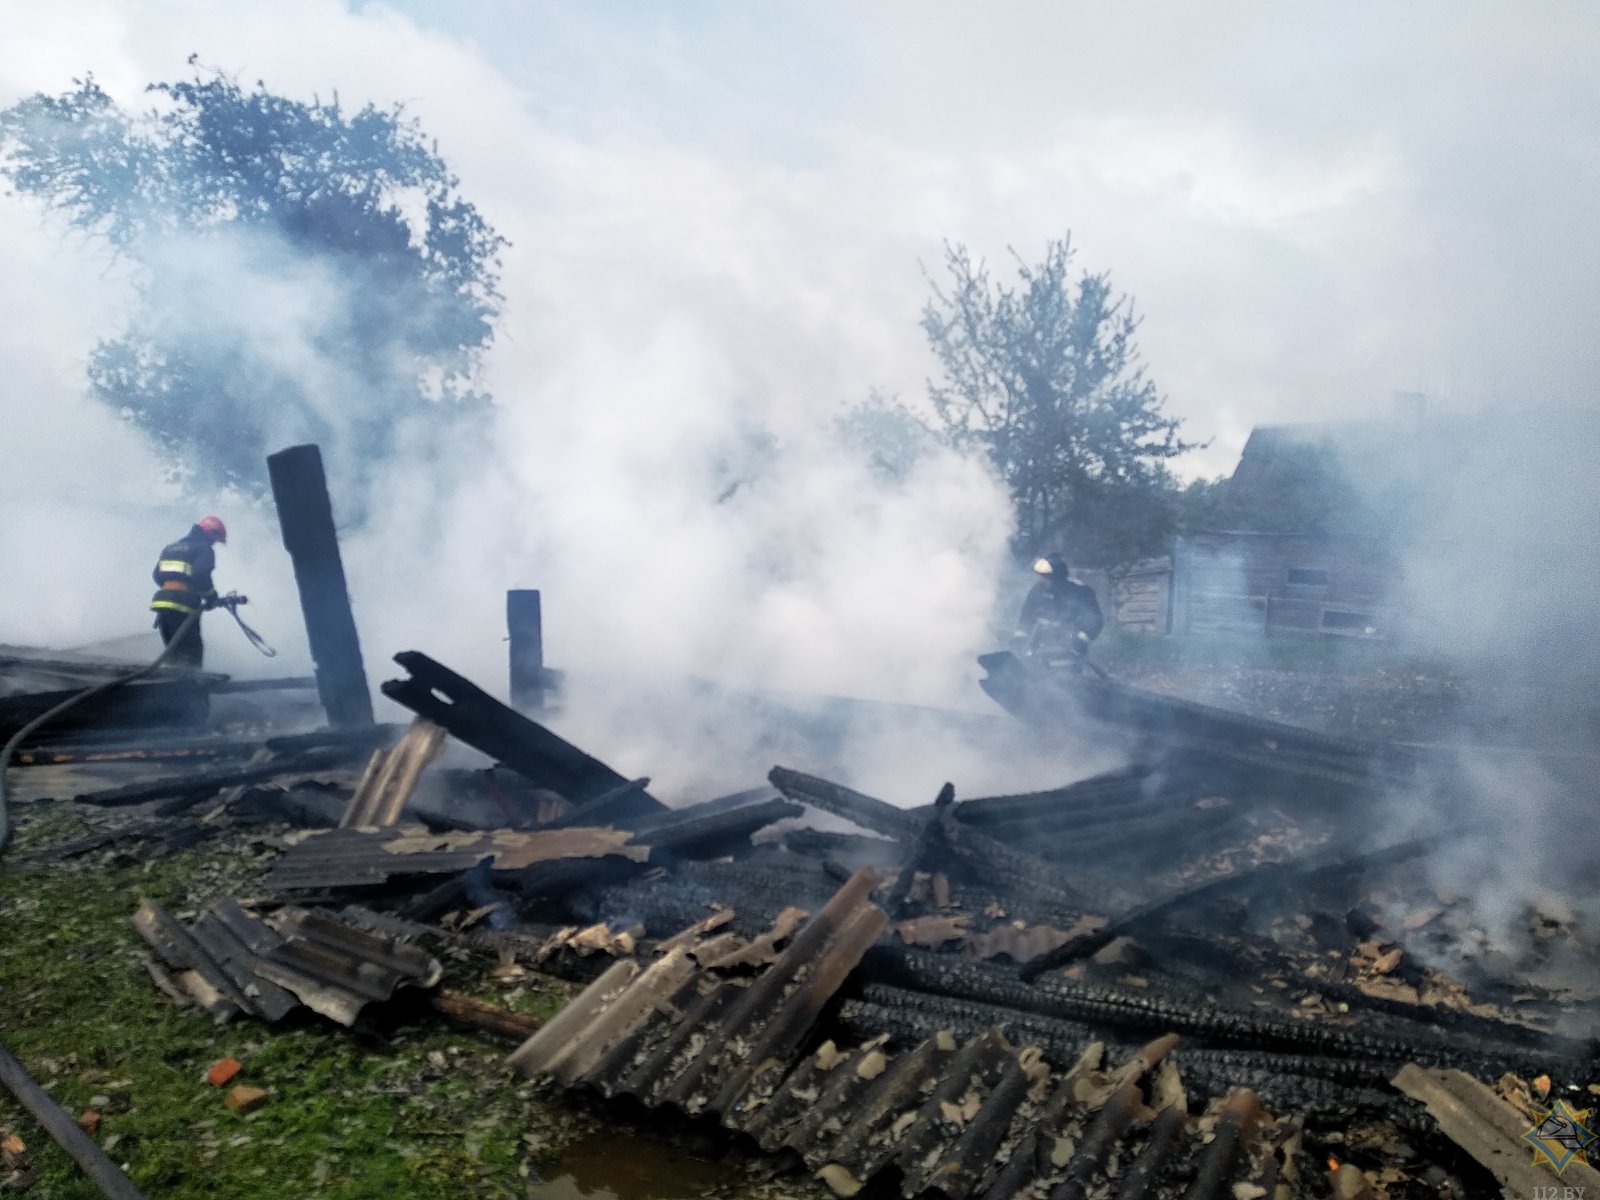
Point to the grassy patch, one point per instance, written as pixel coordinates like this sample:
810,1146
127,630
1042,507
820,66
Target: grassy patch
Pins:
425,1113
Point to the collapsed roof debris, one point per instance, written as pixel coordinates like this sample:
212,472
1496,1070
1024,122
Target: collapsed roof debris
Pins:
1103,988
229,961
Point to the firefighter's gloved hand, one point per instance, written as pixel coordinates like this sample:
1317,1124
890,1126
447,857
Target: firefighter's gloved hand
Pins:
1080,644
209,603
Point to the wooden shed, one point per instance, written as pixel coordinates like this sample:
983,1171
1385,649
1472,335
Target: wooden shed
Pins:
1305,584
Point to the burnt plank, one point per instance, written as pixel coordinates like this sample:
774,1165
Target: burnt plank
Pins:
473,716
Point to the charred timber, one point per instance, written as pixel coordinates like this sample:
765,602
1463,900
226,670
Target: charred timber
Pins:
1181,824
1317,866
908,1017
1111,790
525,638
200,784
305,514
481,1015
693,834
1138,1011
928,839
622,805
1070,820
867,811
473,716
991,858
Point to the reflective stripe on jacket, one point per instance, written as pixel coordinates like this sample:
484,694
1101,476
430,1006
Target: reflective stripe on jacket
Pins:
183,574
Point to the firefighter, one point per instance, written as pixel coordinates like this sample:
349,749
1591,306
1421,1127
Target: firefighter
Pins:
1059,618
183,580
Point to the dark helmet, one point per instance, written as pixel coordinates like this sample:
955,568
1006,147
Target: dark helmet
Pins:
1051,566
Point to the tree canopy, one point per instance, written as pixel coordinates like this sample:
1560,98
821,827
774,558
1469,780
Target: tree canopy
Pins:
1044,377
304,272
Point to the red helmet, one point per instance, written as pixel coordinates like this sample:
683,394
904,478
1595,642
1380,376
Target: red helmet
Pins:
213,528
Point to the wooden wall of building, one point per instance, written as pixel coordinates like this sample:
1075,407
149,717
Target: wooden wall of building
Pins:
1279,583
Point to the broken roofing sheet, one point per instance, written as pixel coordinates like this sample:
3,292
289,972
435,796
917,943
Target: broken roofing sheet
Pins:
979,1118
368,857
229,961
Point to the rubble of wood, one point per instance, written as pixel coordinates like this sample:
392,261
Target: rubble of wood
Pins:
1099,989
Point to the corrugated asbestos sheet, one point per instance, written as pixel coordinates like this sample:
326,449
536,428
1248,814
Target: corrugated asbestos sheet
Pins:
391,776
980,1119
368,857
229,961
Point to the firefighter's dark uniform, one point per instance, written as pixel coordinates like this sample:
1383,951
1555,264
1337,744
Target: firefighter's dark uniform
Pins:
1059,617
183,580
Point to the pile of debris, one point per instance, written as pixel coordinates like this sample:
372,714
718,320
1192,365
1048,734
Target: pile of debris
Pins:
1193,976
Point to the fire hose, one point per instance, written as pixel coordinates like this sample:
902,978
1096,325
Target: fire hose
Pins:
231,602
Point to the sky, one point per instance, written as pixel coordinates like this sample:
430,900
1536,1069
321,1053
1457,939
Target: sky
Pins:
721,215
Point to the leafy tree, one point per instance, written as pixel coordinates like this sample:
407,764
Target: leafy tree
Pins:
892,437
1045,379
304,272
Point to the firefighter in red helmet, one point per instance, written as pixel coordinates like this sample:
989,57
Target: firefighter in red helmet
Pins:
183,586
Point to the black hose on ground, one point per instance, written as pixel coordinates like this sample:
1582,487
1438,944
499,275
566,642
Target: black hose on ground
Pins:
72,702
58,1123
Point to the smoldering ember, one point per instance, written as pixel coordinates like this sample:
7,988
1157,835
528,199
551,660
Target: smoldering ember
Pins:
1218,969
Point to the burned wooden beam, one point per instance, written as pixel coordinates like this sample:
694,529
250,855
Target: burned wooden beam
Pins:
481,1015
993,859
1303,871
201,784
525,630
896,904
987,856
867,811
473,716
1137,1011
305,514
697,834
1112,789
626,804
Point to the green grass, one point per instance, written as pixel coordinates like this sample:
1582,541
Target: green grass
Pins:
433,1114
